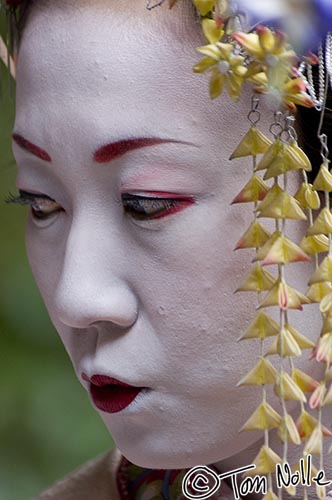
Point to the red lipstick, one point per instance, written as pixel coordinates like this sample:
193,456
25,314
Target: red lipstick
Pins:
109,394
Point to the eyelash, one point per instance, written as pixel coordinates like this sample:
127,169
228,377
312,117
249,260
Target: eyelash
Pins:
137,207
31,199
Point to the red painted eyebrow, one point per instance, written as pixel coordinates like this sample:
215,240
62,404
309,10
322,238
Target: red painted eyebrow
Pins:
105,153
32,148
113,150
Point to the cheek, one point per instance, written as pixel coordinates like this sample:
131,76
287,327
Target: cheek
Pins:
41,259
45,252
188,294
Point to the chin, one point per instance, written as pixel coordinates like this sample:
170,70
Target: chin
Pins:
174,451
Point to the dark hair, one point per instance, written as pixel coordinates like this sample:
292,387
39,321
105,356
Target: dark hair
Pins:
308,124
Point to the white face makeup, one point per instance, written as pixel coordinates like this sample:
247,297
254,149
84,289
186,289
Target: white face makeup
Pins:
146,299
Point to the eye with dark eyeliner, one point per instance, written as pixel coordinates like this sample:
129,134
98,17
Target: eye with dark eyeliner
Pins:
153,207
135,206
42,206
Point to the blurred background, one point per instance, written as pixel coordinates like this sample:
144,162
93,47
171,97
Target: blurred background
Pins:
47,425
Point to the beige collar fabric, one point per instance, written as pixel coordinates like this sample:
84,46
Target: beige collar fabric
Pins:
97,480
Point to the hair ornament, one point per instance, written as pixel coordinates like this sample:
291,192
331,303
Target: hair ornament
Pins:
264,58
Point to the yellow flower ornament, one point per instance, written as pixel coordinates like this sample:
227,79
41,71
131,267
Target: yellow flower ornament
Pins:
272,67
226,66
263,58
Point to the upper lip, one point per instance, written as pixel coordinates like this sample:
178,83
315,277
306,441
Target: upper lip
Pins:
102,380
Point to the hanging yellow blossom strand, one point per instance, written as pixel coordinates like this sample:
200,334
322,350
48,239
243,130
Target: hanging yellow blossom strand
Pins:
269,49
279,250
291,341
259,280
322,278
269,69
309,201
320,283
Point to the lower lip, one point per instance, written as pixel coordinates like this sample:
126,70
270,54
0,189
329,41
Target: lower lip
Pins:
112,398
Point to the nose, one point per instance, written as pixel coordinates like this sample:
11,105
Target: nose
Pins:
90,286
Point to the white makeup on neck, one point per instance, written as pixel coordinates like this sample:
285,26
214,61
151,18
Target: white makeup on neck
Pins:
148,301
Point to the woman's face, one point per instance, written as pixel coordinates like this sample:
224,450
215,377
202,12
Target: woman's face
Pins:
139,290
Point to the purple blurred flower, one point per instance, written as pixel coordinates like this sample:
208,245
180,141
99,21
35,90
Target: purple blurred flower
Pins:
306,22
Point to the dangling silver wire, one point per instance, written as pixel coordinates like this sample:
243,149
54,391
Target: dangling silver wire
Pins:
328,57
325,74
290,129
276,127
150,7
254,115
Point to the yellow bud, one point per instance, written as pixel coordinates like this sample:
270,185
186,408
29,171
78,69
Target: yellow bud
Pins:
322,224
262,374
265,462
258,280
216,84
264,250
285,297
302,341
212,32
304,466
211,50
253,143
323,273
283,206
300,156
288,347
318,291
306,423
307,197
263,418
314,445
267,39
287,389
261,327
324,348
327,324
317,396
288,431
287,158
323,180
255,190
204,6
285,345
271,195
275,149
204,64
315,244
284,251
321,492
326,303
328,396
250,42
304,381
270,496
256,236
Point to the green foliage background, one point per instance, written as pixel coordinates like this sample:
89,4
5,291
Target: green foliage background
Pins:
47,424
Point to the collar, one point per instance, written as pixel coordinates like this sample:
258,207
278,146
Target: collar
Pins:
138,483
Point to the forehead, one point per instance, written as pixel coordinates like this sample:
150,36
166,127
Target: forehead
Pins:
104,62
89,74
92,48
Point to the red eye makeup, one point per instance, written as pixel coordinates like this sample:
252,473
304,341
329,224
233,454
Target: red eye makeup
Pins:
154,205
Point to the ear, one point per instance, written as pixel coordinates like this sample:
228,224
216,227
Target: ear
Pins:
7,59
